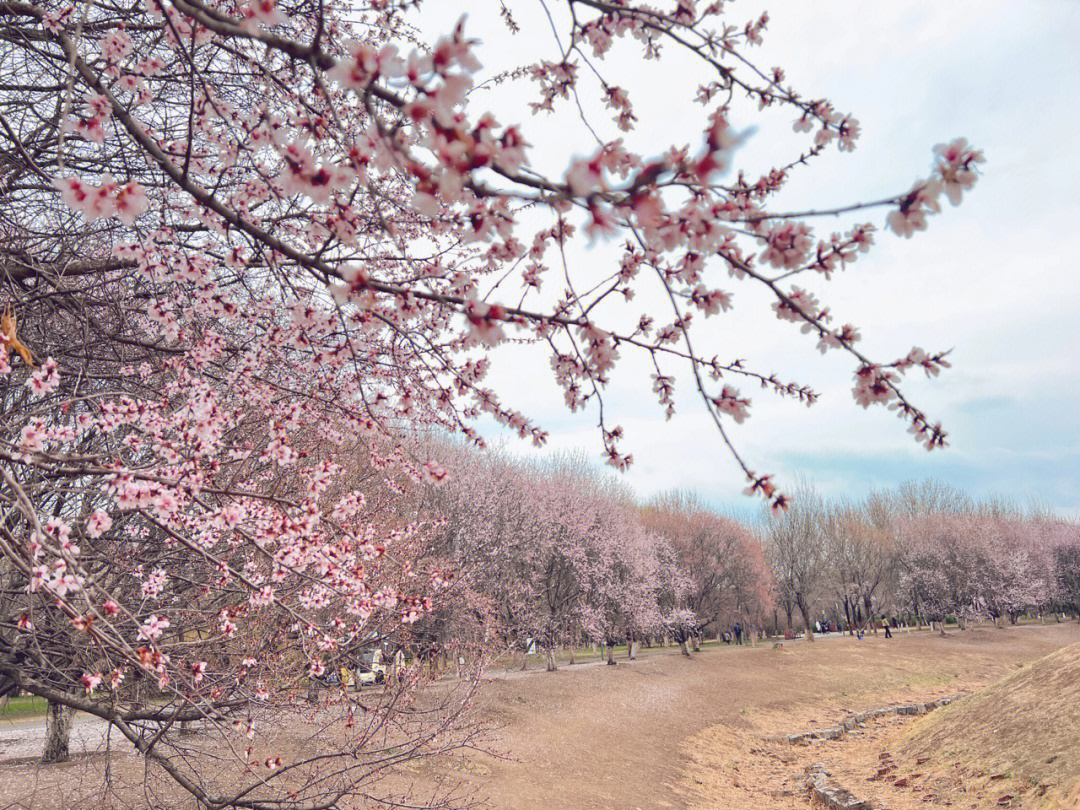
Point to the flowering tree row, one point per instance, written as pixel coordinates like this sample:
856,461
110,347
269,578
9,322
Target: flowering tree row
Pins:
562,555
924,551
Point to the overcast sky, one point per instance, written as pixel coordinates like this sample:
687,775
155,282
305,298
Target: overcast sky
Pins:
995,279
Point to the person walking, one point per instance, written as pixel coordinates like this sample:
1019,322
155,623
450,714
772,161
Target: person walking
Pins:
738,633
888,630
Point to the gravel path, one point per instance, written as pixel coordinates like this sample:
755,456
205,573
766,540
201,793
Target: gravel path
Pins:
24,739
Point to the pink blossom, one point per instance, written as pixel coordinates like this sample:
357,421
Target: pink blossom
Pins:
91,682
365,64
263,11
956,168
45,380
485,321
153,627
731,403
98,523
788,245
434,473
32,437
911,216
130,202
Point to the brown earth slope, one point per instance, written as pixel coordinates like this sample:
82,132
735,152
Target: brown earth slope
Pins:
1022,732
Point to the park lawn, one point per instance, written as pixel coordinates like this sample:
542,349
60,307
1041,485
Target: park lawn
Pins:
22,707
586,655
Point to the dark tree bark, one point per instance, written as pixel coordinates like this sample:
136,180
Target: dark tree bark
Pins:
58,719
804,610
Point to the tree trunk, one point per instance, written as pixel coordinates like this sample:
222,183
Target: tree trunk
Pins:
684,647
611,655
58,719
806,622
551,665
694,641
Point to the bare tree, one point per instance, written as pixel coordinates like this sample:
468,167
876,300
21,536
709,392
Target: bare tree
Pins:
797,551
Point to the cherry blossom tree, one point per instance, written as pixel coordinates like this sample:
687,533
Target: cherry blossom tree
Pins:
183,557
715,555
246,243
752,583
555,547
1067,566
307,148
979,563
945,568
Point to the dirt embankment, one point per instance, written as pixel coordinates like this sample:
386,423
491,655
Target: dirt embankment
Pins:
1022,733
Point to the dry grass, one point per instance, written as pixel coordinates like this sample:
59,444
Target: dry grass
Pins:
1022,732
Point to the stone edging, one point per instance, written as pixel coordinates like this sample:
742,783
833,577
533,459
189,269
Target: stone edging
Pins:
854,720
817,777
830,795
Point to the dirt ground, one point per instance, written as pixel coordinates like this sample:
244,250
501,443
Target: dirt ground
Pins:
669,732
665,731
